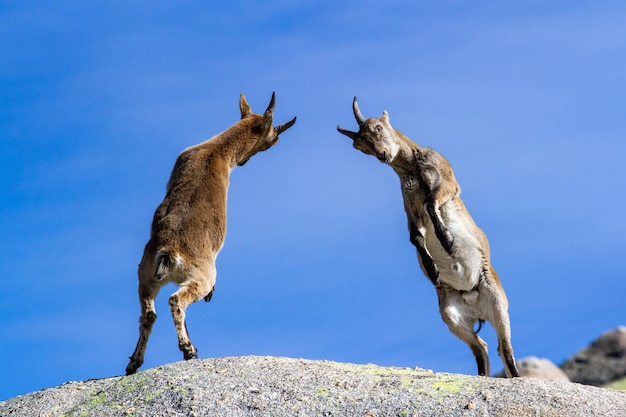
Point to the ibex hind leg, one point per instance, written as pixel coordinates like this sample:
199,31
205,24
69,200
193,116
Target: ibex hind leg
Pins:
494,303
460,321
147,294
506,353
503,329
194,290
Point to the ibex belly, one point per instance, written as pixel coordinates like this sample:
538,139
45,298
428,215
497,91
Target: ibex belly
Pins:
463,268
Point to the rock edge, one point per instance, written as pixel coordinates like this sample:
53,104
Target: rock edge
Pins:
260,386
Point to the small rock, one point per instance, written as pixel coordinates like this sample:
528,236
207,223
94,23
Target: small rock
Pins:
534,367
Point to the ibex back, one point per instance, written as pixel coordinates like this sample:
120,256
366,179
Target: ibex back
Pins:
189,226
453,251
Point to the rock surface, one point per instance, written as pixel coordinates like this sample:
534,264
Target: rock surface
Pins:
271,386
600,363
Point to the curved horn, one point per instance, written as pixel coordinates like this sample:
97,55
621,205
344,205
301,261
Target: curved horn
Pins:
357,112
270,107
348,133
281,128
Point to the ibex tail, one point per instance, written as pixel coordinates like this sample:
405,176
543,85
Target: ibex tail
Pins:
166,263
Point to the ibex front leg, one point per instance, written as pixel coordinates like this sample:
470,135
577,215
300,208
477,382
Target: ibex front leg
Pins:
416,235
435,192
441,231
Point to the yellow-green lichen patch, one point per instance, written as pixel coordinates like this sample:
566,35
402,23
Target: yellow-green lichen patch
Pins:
448,385
422,380
620,384
97,399
131,383
371,369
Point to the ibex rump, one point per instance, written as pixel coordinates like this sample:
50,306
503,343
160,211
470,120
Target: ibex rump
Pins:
453,251
189,226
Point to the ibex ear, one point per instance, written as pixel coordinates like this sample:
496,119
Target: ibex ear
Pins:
385,117
244,107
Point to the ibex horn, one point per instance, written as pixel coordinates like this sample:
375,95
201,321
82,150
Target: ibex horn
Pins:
270,107
281,128
348,133
357,112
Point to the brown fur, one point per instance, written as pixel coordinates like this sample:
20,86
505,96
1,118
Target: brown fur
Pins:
453,251
189,226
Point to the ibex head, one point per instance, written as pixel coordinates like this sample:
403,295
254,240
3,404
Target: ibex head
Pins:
268,135
375,137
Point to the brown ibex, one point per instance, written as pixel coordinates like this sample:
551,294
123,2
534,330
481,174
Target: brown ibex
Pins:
189,226
453,251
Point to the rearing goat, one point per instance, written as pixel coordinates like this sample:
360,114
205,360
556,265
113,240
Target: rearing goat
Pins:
189,226
453,251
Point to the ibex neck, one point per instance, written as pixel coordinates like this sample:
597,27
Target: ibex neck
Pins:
404,162
233,145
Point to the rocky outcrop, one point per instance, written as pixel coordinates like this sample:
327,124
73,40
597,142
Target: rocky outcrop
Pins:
264,386
602,362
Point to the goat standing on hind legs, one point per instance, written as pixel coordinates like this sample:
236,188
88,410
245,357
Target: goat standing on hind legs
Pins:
453,251
189,226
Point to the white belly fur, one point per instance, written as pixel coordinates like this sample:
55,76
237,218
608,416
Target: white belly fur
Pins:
462,269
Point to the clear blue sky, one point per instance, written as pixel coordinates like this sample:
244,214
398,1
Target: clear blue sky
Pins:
527,100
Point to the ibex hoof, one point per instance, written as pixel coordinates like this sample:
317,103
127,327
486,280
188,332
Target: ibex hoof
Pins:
132,367
189,352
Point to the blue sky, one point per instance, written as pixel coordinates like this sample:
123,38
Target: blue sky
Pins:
527,100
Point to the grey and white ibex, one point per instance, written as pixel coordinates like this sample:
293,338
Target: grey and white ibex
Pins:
189,226
453,251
